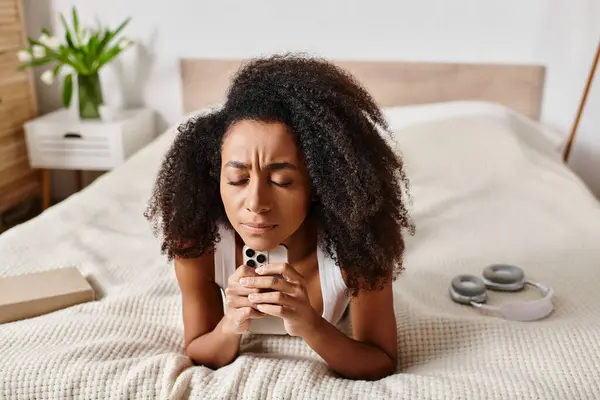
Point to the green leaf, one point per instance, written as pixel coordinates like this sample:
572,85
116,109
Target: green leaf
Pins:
67,93
109,55
120,27
36,63
46,31
56,69
63,55
89,49
75,22
109,35
92,46
64,23
104,41
68,57
70,41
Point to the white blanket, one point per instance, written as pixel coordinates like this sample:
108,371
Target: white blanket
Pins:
485,190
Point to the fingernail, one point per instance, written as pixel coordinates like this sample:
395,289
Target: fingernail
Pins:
244,281
251,297
259,270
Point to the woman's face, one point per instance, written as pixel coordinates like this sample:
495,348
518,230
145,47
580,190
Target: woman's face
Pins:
264,183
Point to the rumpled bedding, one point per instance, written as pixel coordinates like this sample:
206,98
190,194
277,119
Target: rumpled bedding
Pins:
483,191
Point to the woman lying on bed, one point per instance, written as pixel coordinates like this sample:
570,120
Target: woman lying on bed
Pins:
293,157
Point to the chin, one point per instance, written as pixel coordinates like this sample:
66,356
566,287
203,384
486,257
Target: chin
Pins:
261,242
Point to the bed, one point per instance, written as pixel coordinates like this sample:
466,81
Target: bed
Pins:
488,185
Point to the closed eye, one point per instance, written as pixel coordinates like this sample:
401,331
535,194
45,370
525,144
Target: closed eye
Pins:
282,184
238,183
244,181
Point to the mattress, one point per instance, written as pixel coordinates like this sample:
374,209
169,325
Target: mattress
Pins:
487,186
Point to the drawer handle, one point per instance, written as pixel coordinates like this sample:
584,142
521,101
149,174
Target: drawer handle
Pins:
71,135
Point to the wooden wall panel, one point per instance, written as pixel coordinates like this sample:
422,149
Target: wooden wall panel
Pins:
17,104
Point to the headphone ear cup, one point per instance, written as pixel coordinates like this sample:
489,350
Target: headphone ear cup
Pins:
467,288
503,277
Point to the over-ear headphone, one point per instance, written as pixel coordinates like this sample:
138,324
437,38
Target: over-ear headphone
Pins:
471,290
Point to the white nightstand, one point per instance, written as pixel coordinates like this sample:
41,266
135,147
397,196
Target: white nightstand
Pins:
60,140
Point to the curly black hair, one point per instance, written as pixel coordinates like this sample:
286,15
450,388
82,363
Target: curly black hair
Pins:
357,177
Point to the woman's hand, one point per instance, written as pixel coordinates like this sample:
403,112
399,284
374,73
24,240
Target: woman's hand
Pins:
287,297
239,311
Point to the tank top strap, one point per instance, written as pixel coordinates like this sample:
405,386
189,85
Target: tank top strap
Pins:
333,288
224,256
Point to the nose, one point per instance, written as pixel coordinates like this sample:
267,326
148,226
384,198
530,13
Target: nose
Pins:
257,198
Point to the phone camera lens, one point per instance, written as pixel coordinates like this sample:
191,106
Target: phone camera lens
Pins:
251,263
261,258
249,252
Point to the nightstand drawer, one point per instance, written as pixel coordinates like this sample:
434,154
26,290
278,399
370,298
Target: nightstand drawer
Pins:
84,147
59,140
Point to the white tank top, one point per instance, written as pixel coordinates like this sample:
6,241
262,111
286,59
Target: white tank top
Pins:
333,286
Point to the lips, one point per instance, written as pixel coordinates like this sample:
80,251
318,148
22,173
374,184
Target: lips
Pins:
257,228
253,225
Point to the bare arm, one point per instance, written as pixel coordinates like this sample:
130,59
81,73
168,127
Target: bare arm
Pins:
207,340
204,341
372,353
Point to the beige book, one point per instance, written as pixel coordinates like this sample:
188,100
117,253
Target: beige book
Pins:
30,295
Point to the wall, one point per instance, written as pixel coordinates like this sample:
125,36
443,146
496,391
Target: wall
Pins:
560,34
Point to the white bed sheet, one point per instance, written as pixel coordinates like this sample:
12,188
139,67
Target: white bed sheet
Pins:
485,189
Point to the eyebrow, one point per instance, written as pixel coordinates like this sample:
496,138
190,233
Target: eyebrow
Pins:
272,166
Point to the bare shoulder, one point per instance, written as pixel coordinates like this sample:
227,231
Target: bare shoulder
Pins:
191,272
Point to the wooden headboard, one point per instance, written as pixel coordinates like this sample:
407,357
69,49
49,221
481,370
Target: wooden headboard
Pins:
393,83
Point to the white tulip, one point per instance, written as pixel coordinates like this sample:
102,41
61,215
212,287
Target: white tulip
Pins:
38,51
124,43
24,56
49,41
65,70
53,43
43,38
47,77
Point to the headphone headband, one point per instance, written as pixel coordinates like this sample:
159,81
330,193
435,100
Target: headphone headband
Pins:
470,289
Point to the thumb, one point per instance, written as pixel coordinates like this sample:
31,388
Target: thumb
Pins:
242,271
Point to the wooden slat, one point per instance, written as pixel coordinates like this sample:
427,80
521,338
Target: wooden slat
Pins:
11,36
12,91
17,105
13,150
14,173
20,190
8,68
8,61
9,127
8,3
18,117
8,13
9,75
